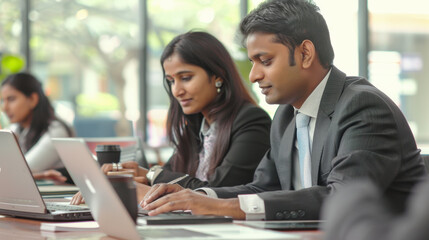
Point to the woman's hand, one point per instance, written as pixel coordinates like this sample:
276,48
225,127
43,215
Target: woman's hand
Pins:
50,174
141,189
77,199
138,172
134,166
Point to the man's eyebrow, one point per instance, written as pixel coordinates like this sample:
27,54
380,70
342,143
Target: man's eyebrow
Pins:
258,55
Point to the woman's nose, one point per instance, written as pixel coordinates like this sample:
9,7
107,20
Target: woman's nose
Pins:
177,89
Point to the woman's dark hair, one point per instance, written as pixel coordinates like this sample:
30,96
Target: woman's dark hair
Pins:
43,112
292,21
203,50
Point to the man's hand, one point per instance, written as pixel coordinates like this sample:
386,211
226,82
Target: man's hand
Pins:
159,190
50,175
142,190
187,199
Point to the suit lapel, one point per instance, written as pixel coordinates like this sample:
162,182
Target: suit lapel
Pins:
284,164
333,90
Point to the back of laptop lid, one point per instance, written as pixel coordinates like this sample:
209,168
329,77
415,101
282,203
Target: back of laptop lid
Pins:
18,191
106,207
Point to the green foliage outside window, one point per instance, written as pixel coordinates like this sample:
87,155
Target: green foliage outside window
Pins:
10,64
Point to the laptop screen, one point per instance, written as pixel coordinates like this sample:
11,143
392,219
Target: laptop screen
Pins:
18,191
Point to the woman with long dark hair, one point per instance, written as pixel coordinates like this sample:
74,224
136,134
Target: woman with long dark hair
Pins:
33,120
218,132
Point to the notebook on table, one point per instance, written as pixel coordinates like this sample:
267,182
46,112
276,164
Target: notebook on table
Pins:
108,210
19,194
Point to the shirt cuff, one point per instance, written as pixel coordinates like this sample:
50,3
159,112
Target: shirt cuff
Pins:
253,206
210,192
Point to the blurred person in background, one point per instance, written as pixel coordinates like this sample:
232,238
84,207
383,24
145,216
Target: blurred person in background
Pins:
33,121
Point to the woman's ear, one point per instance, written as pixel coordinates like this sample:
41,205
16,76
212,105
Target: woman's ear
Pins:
34,100
308,53
216,80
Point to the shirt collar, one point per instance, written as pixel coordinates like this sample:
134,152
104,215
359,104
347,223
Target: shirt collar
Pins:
310,107
206,129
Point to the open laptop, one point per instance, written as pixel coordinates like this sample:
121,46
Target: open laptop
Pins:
19,194
108,210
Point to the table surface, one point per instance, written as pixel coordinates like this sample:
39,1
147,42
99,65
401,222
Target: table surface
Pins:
18,228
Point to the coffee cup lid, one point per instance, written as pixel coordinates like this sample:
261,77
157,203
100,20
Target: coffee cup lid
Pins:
107,148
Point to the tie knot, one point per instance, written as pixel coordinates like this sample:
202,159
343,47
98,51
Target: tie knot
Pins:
302,120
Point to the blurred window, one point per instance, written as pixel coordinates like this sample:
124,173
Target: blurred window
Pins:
168,18
399,52
86,54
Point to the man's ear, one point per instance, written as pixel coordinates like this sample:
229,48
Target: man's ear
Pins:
308,53
34,100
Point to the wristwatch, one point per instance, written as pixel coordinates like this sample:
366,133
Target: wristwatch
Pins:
153,173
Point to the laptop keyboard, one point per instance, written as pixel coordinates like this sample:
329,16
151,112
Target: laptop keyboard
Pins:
52,206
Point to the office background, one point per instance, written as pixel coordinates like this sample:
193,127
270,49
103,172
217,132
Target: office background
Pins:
99,60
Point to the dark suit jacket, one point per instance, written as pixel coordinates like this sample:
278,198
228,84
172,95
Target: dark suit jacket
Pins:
250,139
358,212
359,132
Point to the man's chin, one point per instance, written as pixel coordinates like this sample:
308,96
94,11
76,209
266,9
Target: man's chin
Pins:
270,100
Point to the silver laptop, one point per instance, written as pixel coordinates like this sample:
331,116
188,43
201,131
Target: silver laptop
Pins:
112,216
99,195
19,194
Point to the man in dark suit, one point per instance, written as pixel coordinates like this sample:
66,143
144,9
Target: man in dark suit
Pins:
358,212
354,130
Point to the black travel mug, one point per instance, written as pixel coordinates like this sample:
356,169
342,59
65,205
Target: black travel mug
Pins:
108,154
126,189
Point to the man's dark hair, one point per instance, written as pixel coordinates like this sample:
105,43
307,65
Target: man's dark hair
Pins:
292,21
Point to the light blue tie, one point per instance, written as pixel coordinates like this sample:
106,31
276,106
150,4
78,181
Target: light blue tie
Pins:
303,138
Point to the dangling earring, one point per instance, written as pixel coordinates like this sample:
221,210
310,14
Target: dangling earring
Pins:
218,84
